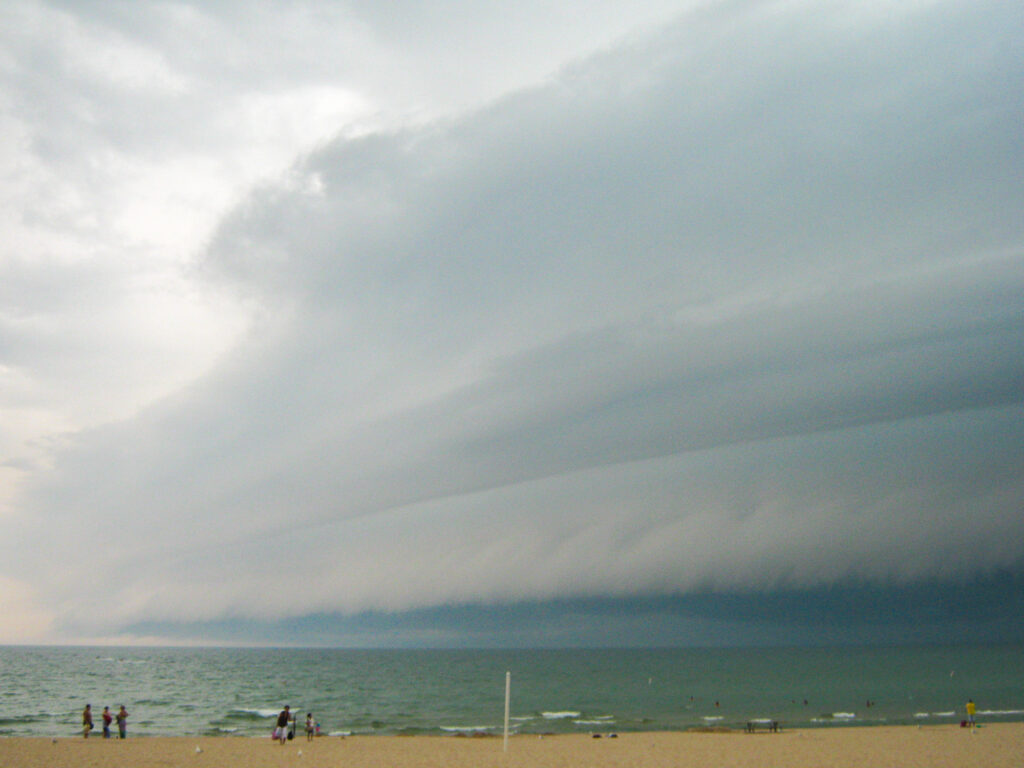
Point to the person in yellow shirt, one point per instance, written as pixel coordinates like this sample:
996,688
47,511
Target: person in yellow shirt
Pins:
970,713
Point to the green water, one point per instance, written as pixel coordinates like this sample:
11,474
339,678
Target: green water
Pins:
239,691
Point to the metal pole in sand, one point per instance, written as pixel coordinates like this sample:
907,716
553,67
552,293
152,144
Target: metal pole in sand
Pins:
508,690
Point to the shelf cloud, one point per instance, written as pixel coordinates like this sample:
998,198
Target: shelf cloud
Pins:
729,303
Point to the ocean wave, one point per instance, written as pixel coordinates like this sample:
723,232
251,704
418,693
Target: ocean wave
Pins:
45,717
712,718
1000,712
253,714
469,728
559,715
595,721
831,718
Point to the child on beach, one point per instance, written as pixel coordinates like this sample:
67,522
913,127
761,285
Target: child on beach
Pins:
310,726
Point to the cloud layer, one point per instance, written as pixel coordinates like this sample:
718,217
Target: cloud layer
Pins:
733,306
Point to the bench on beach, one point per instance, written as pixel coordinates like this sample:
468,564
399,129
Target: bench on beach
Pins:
771,726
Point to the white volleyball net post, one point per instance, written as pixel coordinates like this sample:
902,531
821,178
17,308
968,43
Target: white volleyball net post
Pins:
508,691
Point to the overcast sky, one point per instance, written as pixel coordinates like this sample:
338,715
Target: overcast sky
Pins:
466,323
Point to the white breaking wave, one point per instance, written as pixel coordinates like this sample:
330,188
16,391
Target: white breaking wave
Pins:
998,712
833,717
559,715
260,712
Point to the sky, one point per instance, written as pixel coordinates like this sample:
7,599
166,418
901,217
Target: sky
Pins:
679,322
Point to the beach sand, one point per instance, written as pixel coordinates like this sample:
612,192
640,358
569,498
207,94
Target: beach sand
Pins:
993,746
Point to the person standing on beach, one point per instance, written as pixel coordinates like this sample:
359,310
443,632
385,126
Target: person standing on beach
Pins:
970,713
122,722
282,724
107,720
87,720
310,726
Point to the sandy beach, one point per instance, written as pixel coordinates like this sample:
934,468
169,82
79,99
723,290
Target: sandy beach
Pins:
904,746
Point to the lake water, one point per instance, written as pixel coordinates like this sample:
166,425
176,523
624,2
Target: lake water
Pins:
172,691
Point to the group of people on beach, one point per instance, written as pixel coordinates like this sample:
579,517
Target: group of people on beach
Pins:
285,728
121,717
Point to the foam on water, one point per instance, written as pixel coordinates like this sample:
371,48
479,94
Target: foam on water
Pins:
1000,712
258,712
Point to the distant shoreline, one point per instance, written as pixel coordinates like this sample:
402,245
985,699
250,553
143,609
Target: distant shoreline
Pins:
491,733
759,728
